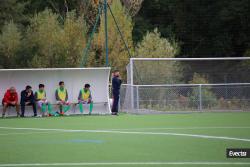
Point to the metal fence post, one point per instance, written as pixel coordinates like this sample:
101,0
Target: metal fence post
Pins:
132,84
137,98
200,97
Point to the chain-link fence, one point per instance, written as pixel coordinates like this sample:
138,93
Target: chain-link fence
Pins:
186,97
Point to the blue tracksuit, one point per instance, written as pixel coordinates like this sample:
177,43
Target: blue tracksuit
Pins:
116,85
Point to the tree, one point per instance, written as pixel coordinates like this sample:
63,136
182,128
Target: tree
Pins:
73,39
203,28
12,10
157,72
53,44
118,55
153,45
43,39
82,8
10,40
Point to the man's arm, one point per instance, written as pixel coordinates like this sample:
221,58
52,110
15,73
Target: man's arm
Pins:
116,83
6,98
80,96
32,97
57,96
16,98
36,96
66,98
22,97
90,95
120,81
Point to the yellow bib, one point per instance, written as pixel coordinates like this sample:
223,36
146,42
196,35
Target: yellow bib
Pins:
40,95
85,95
61,93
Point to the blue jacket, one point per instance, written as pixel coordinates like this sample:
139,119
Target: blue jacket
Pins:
116,85
25,98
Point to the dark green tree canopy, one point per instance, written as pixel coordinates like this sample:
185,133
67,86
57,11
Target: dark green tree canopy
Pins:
204,28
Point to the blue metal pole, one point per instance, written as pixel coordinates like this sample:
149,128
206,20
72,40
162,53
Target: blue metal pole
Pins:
106,32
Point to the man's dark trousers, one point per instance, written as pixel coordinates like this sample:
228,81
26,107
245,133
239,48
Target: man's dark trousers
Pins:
32,103
116,97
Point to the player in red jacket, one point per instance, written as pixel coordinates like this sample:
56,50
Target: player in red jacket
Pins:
10,99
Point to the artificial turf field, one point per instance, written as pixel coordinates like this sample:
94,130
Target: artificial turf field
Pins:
197,139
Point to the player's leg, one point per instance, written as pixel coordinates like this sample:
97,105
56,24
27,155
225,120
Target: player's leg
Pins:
5,106
42,106
66,106
60,106
33,103
22,109
17,109
115,105
80,106
50,110
91,104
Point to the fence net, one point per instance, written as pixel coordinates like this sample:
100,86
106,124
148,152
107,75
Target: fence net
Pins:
233,97
186,85
147,72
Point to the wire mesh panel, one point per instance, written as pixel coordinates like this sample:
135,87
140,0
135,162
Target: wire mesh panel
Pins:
165,98
187,84
153,71
196,97
231,97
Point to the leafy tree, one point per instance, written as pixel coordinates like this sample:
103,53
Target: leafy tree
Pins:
153,45
82,8
10,40
53,44
73,39
204,28
118,55
43,39
12,10
159,72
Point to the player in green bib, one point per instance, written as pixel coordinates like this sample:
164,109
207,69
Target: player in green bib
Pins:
62,98
85,98
41,100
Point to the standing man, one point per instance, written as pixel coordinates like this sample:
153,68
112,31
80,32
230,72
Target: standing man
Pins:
61,95
28,98
116,84
10,99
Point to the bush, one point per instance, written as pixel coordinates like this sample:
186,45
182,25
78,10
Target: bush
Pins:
209,99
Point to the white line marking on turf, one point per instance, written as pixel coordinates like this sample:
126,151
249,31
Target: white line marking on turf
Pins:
127,163
129,132
27,133
188,128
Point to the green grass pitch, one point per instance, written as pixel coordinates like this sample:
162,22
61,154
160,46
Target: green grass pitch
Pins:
197,139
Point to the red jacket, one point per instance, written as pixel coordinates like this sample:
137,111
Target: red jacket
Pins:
8,97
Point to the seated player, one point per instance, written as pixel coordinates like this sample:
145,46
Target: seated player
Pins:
42,101
62,98
85,98
28,98
10,99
